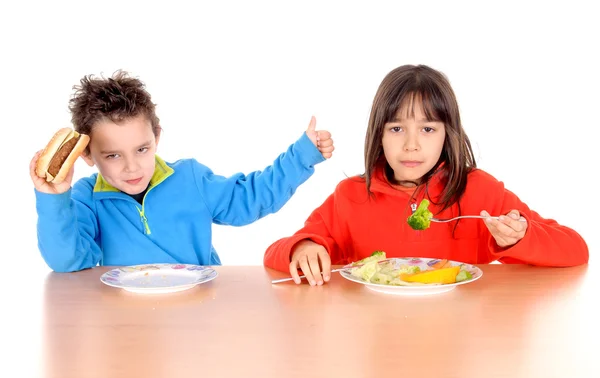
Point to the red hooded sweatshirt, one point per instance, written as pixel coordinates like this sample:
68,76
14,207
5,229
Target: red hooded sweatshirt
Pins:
351,226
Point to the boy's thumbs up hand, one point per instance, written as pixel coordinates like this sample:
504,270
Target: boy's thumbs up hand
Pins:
311,132
321,138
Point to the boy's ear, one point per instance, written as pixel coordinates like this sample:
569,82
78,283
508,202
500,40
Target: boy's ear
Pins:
87,158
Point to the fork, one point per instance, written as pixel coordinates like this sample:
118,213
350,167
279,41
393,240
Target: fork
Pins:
346,267
301,277
467,216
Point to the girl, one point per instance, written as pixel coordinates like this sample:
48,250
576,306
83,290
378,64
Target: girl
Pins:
416,148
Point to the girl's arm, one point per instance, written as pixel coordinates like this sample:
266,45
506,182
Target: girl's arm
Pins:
320,227
546,242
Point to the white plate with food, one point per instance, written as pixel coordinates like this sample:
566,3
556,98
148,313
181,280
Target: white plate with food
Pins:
158,278
410,275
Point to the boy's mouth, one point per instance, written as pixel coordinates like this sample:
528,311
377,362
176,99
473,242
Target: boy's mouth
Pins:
134,181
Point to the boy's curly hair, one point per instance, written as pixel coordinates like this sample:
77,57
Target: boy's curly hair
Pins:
116,99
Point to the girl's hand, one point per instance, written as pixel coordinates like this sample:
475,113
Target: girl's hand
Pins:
321,139
313,259
508,229
47,187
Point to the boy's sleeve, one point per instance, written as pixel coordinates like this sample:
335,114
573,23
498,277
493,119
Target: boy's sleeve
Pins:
66,230
242,199
546,243
320,227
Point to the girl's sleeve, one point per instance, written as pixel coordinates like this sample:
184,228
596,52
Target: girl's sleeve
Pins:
320,227
546,243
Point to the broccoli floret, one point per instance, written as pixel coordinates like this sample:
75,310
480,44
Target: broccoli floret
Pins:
410,269
375,256
463,275
378,255
420,219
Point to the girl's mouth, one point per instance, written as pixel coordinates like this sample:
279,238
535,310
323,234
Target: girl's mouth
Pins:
410,163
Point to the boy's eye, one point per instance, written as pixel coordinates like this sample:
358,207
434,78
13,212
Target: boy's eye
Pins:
112,156
142,150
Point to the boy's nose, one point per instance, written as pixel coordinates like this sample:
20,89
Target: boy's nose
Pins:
131,165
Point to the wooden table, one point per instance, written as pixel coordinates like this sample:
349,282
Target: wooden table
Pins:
516,321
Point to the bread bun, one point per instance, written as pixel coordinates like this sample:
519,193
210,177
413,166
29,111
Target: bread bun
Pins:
60,154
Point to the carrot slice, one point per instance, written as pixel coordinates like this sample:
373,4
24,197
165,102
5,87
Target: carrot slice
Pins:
440,264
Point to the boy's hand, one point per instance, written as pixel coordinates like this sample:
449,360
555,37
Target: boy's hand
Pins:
508,229
313,259
321,139
46,187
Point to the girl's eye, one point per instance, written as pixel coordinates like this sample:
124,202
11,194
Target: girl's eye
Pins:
396,129
112,156
142,150
428,129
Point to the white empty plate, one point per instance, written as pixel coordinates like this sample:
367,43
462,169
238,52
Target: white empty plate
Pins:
158,278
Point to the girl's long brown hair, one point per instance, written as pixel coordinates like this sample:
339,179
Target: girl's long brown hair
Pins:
405,85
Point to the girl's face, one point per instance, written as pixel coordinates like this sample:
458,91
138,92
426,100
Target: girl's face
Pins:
412,145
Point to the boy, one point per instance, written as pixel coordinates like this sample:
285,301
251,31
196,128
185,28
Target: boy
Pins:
139,209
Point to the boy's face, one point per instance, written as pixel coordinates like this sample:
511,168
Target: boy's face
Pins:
124,153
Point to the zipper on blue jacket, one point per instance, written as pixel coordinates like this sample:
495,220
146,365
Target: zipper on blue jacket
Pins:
144,220
141,211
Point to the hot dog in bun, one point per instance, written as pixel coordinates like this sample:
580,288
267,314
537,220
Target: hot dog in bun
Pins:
60,154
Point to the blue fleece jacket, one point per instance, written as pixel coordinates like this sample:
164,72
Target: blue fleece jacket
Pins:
94,223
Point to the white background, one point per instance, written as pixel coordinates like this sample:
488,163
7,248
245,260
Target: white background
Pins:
237,81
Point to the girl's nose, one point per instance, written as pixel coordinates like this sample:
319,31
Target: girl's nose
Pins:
411,143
